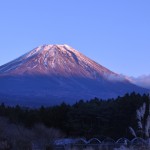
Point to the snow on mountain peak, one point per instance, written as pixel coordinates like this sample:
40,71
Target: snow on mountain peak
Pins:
57,60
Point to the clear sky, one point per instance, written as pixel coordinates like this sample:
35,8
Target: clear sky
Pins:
115,33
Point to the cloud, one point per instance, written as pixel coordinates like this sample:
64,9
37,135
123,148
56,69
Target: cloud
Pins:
115,77
143,81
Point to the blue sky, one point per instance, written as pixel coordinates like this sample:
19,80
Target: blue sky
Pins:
115,33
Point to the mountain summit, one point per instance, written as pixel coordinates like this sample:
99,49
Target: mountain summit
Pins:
55,60
50,74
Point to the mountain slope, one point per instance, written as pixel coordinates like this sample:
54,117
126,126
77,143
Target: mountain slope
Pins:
50,74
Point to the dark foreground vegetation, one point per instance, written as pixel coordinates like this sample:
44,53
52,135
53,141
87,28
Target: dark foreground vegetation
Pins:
94,118
17,137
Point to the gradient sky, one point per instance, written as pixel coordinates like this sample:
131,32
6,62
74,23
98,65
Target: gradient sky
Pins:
115,33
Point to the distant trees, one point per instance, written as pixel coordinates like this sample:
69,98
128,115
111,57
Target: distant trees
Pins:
94,118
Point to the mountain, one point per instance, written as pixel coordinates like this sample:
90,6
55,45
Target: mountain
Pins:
51,74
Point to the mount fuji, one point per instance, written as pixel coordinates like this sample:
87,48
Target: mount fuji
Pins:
51,74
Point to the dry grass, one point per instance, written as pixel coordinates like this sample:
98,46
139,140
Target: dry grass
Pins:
75,148
132,148
121,148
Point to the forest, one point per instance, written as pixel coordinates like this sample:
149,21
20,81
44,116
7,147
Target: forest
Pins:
93,118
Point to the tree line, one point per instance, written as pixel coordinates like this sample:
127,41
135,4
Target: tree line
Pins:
93,118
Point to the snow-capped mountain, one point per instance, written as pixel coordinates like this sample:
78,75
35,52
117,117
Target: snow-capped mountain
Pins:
56,60
50,74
